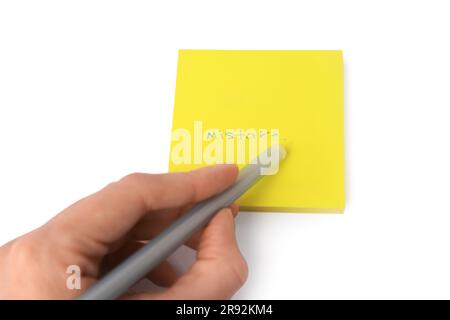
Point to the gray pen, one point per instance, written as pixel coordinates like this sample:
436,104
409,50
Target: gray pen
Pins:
136,266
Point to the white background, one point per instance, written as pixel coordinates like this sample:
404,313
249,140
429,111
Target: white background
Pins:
86,96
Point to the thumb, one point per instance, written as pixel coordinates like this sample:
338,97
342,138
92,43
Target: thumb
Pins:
220,269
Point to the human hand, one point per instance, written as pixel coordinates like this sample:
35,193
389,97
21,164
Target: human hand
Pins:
99,231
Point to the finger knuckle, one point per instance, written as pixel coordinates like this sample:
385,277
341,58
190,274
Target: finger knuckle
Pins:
239,270
132,178
21,250
143,186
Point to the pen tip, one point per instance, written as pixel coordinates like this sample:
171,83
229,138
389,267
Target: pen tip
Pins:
282,151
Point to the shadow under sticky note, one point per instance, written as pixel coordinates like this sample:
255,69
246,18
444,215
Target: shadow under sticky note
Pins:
296,94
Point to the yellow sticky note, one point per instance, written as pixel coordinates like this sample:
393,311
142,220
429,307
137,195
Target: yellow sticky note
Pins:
293,96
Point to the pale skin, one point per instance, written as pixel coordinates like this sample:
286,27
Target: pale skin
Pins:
99,231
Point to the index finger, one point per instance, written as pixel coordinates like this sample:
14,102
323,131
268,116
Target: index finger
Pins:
109,214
